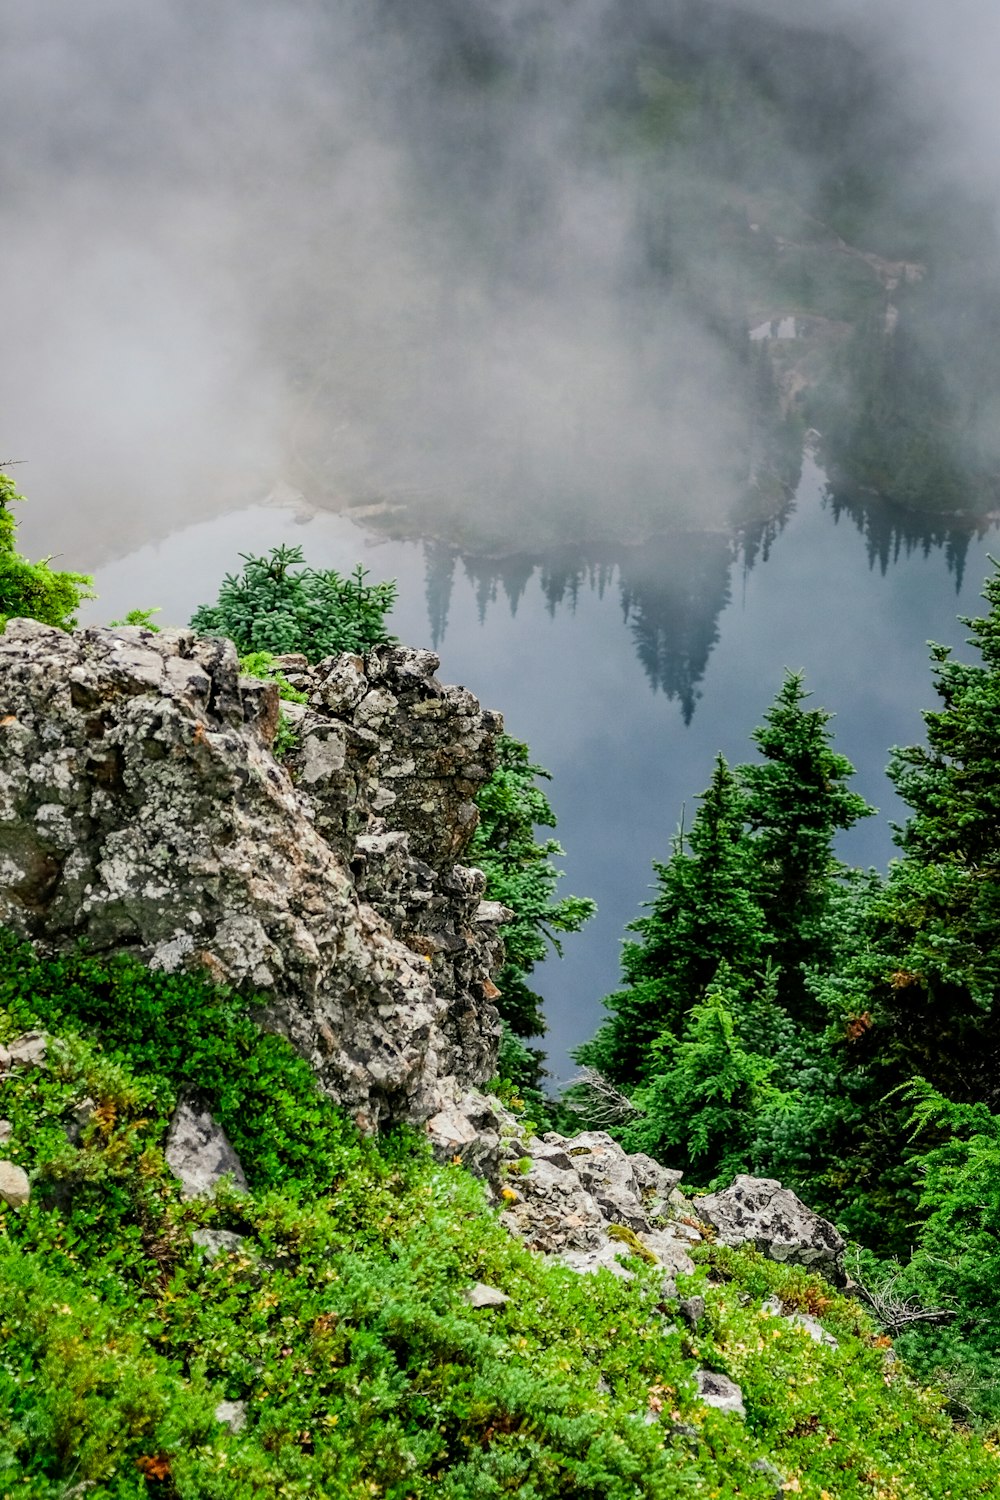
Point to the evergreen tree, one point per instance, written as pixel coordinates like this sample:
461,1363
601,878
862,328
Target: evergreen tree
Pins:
936,999
706,1089
520,873
796,801
277,604
703,913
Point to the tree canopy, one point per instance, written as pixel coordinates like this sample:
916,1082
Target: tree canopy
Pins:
280,605
784,1014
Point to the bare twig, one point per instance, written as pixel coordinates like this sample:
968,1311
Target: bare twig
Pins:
891,1308
596,1097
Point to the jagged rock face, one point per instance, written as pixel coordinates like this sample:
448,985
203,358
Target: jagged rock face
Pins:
141,810
577,1195
383,742
391,761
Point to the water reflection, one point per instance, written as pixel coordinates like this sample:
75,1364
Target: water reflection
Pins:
891,531
671,591
598,659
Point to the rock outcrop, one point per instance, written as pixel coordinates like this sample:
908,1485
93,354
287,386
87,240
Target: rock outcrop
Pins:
585,1201
391,761
759,1211
142,811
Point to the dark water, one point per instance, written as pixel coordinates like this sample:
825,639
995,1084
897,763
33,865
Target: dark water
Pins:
626,675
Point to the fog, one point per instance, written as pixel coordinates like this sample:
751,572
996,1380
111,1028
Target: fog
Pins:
490,265
418,254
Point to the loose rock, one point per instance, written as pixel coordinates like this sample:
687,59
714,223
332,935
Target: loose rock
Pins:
199,1154
28,1051
810,1325
232,1414
216,1242
719,1391
15,1189
579,1193
481,1295
759,1211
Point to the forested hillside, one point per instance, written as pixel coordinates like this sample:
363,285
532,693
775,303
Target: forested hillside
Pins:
218,1282
783,1013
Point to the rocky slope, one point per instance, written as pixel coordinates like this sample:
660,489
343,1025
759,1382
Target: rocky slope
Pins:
141,811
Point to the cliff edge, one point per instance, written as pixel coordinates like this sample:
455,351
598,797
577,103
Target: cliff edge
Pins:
142,811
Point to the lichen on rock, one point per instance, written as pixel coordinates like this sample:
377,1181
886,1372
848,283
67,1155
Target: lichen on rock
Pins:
142,811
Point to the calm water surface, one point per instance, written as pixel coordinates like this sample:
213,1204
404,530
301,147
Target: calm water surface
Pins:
628,734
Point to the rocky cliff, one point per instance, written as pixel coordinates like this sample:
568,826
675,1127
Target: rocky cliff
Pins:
141,810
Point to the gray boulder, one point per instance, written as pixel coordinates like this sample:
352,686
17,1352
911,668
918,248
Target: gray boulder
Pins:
232,1414
199,1154
721,1392
27,1051
482,1295
15,1190
467,1129
760,1212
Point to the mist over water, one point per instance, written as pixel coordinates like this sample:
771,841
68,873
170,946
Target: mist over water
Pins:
473,254
489,267
324,238
850,607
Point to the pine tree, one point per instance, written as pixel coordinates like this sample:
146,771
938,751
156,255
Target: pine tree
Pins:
707,1088
937,999
703,913
279,604
520,873
796,801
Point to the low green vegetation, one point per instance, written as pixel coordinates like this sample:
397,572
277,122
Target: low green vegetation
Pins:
785,1014
335,1311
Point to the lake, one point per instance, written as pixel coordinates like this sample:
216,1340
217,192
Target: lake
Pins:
627,674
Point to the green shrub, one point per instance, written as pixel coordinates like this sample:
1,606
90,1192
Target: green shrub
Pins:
34,590
183,1035
279,605
339,1318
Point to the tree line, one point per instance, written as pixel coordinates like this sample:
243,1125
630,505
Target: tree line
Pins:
785,1014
